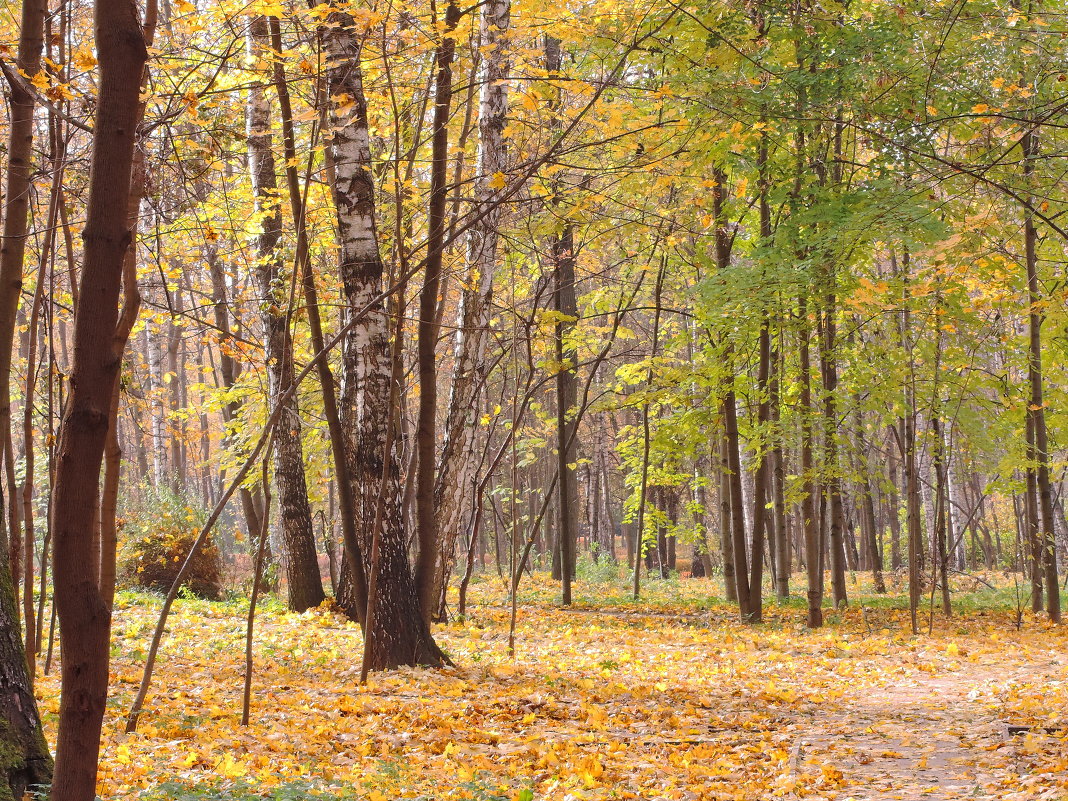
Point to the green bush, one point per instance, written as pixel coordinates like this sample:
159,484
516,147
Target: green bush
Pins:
156,533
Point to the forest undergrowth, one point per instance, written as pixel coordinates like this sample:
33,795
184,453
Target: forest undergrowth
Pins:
671,698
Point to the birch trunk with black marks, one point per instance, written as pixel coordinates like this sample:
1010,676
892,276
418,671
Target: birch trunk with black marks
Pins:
398,633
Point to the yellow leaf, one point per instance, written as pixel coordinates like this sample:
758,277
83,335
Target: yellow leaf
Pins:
498,181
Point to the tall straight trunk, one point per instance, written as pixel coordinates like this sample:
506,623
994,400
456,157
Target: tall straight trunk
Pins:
809,519
1037,405
131,305
892,503
13,242
832,481
176,424
761,521
426,357
476,298
158,410
728,409
866,512
304,583
398,634
84,613
730,584
563,259
1032,523
643,487
941,528
729,415
778,475
913,509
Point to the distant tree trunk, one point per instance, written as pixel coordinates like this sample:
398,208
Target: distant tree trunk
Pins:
761,521
940,538
778,462
912,480
868,523
303,581
398,633
892,504
730,589
84,614
229,371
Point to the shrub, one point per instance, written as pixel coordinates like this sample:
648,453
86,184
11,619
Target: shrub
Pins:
157,531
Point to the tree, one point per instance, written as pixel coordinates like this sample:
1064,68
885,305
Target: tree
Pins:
84,613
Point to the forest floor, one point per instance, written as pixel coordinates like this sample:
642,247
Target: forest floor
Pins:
671,698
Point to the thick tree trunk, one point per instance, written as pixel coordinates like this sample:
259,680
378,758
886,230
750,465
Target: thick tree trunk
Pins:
304,583
84,614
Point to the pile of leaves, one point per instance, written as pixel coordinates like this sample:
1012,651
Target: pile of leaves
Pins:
156,534
673,699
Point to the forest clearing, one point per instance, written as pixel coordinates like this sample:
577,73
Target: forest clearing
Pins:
669,699
520,400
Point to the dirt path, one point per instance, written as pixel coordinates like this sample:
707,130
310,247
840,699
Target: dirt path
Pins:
927,737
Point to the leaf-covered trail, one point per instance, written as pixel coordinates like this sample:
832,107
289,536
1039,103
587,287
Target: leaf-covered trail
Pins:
599,703
936,737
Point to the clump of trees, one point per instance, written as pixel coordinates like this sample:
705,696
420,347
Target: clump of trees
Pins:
460,287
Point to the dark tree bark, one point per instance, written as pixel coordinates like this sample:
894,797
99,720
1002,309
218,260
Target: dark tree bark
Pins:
13,243
809,520
84,614
1039,451
832,479
563,258
303,581
426,566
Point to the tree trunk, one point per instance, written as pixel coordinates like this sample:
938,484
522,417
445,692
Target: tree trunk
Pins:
810,522
304,583
13,243
1037,405
832,480
84,614
566,395
426,571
